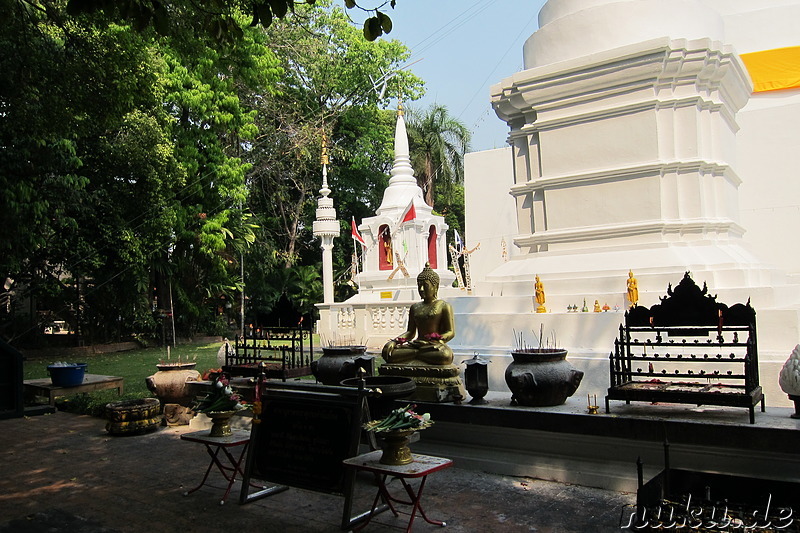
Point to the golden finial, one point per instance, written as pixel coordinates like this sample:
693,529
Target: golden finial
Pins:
324,159
400,112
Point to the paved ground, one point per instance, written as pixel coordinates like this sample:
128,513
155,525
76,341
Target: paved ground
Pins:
62,473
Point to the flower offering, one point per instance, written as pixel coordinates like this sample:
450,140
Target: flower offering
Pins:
222,398
400,419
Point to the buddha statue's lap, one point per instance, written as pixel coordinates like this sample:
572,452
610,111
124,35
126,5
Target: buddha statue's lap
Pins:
424,355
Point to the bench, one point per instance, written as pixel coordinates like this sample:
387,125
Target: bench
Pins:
285,352
688,349
91,382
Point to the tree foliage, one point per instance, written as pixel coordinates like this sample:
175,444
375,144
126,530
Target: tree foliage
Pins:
146,166
437,143
218,19
120,165
327,92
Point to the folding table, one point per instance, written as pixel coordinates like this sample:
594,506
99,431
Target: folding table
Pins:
421,467
213,446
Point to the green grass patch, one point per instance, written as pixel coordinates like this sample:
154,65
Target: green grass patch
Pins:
133,366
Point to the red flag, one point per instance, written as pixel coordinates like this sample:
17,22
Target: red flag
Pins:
356,235
409,214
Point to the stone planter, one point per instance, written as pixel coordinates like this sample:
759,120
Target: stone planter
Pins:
131,417
169,383
341,362
541,377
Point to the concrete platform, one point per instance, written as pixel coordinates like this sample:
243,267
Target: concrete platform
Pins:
566,444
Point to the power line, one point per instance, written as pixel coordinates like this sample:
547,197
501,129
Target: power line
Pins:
496,64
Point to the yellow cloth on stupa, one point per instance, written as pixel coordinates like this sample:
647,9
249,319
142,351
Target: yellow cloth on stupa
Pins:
773,70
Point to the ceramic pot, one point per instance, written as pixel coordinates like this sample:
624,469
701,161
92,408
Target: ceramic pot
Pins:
169,383
541,377
220,423
341,362
395,447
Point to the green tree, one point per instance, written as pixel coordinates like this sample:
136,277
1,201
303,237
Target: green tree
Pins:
327,92
218,20
120,166
437,143
85,153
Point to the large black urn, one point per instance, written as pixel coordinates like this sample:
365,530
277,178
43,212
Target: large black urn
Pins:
540,377
342,362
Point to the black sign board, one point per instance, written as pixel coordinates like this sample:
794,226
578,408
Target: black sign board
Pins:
303,435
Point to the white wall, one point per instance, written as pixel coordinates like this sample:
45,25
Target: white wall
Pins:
491,212
769,162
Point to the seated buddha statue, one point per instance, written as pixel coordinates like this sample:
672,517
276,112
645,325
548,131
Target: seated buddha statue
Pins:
422,353
430,327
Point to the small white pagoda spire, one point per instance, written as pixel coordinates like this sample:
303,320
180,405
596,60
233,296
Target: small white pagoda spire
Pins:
326,227
402,183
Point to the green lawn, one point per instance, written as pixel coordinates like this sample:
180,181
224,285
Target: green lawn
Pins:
134,366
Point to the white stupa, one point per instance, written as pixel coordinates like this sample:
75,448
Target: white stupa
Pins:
394,254
638,143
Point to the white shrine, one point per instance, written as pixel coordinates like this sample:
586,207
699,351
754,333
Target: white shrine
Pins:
637,143
399,240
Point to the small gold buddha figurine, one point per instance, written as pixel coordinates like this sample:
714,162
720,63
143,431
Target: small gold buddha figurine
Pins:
633,289
431,321
539,290
597,307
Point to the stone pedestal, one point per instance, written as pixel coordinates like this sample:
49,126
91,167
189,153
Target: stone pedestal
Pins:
435,383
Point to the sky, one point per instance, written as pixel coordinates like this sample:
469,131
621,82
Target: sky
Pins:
461,48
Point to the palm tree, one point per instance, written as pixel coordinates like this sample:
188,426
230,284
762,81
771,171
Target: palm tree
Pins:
437,143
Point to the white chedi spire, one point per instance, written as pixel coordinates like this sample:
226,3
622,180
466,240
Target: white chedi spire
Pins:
325,210
402,171
403,186
326,227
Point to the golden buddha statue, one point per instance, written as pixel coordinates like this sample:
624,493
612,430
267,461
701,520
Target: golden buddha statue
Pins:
633,289
538,287
431,322
421,353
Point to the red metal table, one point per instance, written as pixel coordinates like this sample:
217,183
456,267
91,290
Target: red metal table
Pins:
421,467
238,437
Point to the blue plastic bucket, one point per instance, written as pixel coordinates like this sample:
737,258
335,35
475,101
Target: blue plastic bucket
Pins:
67,375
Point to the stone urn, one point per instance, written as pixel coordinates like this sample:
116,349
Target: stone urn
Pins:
541,377
341,362
169,383
789,379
